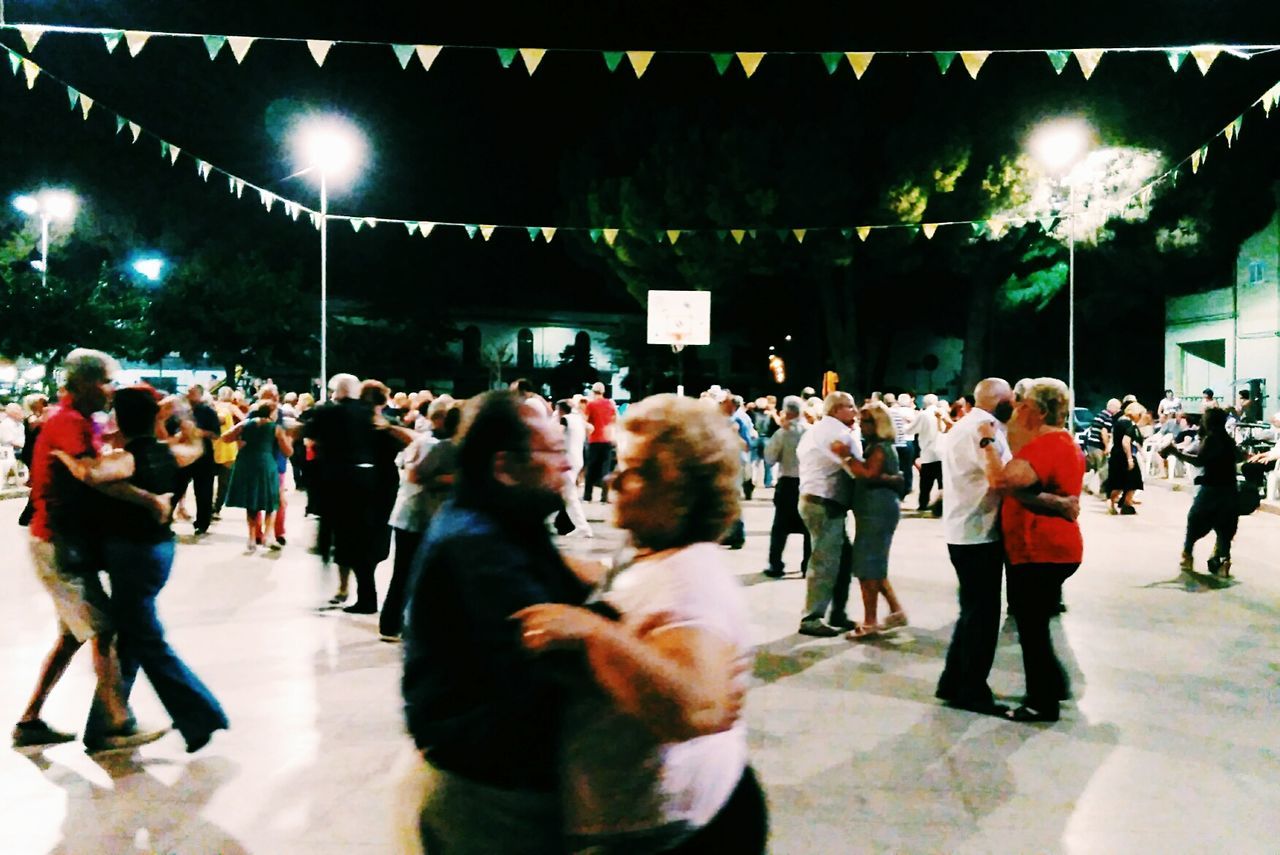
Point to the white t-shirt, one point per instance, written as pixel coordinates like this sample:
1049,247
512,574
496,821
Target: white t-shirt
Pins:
971,509
575,438
618,780
927,432
821,473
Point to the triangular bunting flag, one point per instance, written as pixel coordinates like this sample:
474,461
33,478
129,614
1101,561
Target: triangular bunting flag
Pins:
944,58
612,58
660,236
832,61
1239,122
74,97
1088,60
978,227
240,46
864,232
1205,57
799,233
846,233
136,40
1176,58
738,235
231,183
214,44
239,182
973,60
782,234
403,53
268,199
1195,161
1144,195
533,232
86,104
112,40
722,61
164,148
860,60
356,223
1046,224
506,56
673,235
610,235
1204,154
319,49
370,221
119,124
929,229
424,229
471,231
136,130
315,218
722,234
913,230
1230,133
1058,58
531,57
15,62
548,232
203,169
427,54
32,71
30,35
1268,98
997,226
174,151
640,60
411,226
487,231
595,235
750,61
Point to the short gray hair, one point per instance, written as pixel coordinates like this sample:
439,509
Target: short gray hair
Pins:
1051,397
344,386
89,366
793,405
836,399
930,400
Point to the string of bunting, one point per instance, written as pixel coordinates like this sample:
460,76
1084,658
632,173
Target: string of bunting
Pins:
1087,59
993,226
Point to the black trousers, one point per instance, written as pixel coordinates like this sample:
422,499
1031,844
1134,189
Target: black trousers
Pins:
199,476
740,828
1034,593
1214,509
906,461
980,571
786,521
391,619
222,476
599,455
930,474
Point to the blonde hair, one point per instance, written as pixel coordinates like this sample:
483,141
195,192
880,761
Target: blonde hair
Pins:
1052,399
884,422
1134,411
691,454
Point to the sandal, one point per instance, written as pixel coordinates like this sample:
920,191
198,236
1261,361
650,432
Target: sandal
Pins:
894,620
864,631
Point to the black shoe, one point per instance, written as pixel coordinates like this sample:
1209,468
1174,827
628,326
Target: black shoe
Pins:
843,623
775,572
1031,715
980,707
361,609
281,541
196,741
200,532
818,629
29,734
1128,511
734,544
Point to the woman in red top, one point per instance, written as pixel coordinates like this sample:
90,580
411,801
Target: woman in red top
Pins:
1043,550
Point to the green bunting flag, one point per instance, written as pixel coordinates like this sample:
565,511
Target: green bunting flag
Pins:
112,40
15,62
1046,224
978,228
73,96
411,226
506,56
595,235
533,232
356,223
612,59
832,60
944,59
471,230
164,148
782,234
120,123
722,234
913,230
404,53
1059,58
722,61
846,233
214,45
1176,58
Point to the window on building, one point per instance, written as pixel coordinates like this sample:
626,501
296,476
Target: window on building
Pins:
524,348
1257,272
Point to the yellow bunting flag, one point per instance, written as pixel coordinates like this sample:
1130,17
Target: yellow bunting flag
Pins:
750,61
487,231
136,40
1270,99
738,235
860,61
30,35
610,235
548,232
929,229
799,233
32,71
86,104
174,151
1088,59
1195,161
425,228
1230,133
136,130
531,57
973,60
639,60
864,232
997,227
673,235
319,49
1204,57
240,46
426,55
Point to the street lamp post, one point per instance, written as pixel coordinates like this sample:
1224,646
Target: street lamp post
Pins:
48,205
1059,146
330,147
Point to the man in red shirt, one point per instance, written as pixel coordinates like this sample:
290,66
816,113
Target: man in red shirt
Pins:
601,415
62,549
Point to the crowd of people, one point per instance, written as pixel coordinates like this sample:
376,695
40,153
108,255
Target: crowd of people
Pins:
558,703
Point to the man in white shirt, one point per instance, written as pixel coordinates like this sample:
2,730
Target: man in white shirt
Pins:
1170,404
575,441
782,451
825,494
928,430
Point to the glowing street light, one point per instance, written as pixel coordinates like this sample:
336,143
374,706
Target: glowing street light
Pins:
1058,146
150,267
48,205
331,147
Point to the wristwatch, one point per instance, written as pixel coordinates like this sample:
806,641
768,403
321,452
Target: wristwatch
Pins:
985,441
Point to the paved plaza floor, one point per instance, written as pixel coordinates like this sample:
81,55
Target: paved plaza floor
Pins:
1172,744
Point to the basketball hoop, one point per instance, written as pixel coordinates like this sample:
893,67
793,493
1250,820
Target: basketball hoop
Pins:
677,343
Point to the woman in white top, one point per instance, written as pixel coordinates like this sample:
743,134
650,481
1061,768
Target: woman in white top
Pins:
655,751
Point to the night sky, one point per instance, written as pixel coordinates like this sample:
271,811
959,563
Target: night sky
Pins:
469,141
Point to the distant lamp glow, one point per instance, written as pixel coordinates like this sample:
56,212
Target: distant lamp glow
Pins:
778,368
151,268
788,338
46,205
331,145
1058,145
59,204
26,204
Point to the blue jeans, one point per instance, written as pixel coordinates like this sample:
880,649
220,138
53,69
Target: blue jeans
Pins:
138,572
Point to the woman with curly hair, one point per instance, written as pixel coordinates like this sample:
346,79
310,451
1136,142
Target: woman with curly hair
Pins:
655,753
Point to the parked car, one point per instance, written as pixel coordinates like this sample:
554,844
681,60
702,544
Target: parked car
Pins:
1082,418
